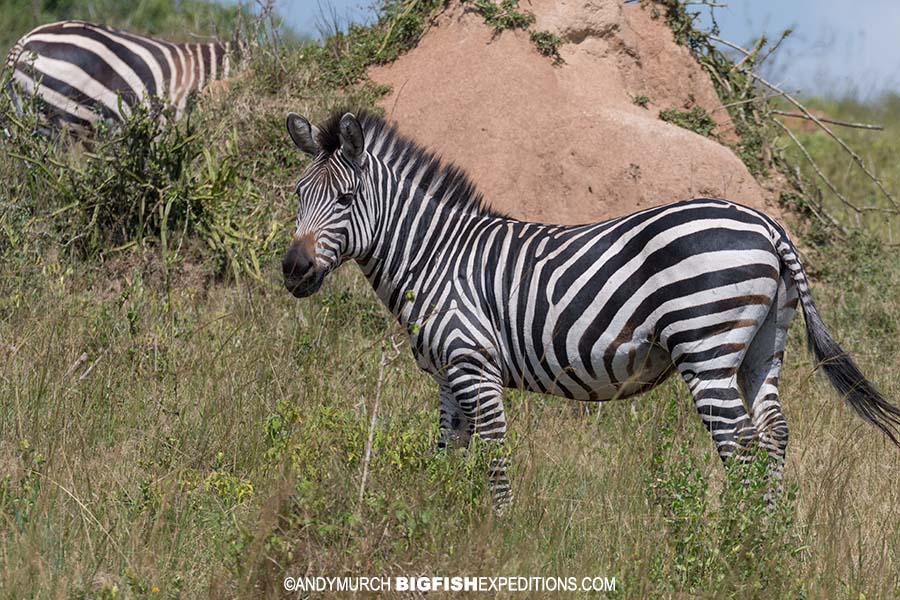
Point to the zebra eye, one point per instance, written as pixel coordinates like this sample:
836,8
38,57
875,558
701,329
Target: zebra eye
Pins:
344,200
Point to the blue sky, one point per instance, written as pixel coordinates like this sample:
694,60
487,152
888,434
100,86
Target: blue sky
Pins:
839,47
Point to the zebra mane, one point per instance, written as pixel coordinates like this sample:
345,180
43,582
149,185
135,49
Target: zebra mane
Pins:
444,180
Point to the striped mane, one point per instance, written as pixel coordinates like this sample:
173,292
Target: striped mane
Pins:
445,180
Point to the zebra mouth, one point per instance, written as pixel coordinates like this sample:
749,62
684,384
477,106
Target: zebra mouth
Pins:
307,286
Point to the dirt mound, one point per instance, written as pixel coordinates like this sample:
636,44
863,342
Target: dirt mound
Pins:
566,144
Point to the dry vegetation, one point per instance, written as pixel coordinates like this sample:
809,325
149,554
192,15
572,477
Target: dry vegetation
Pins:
173,424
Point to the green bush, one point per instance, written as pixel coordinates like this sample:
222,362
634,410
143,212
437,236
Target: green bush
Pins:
148,180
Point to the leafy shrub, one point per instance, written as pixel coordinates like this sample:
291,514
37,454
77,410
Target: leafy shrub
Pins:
148,180
548,44
226,484
696,119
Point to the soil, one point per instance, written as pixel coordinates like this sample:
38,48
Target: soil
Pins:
567,144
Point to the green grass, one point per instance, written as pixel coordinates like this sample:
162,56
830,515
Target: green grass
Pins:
344,57
548,43
878,149
641,100
171,428
503,15
212,437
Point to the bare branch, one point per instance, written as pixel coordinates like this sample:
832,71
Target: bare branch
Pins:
745,101
750,55
832,135
821,123
729,44
824,178
832,121
784,35
818,211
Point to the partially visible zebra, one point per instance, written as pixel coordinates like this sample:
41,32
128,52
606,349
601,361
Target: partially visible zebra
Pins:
84,73
704,287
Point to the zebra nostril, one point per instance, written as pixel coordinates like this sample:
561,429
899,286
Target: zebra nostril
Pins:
295,264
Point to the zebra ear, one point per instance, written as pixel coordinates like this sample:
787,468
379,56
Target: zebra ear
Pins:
353,143
303,133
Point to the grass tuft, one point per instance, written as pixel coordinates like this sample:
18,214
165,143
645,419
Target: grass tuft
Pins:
503,15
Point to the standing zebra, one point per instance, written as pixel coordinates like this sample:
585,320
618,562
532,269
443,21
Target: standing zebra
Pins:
703,287
84,73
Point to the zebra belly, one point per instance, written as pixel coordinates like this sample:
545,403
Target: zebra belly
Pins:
637,366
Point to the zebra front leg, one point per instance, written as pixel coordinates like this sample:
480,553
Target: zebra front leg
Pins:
479,396
455,428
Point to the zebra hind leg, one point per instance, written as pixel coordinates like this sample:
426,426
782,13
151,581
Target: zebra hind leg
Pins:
708,357
759,376
718,401
708,347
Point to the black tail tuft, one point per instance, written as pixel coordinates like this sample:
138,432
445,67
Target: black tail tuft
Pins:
842,372
846,377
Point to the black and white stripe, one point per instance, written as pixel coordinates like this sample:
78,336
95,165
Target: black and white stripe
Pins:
705,288
84,73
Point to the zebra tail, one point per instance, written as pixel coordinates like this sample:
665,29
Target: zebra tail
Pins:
840,369
13,56
7,70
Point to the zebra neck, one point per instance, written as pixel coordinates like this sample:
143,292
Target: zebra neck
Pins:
415,232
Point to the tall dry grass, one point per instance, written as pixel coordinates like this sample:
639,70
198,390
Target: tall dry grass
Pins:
171,427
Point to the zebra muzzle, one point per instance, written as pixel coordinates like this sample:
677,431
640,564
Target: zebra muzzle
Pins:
302,277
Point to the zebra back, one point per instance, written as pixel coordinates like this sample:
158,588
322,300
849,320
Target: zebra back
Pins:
85,72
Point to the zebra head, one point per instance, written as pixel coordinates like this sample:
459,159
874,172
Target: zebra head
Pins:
333,222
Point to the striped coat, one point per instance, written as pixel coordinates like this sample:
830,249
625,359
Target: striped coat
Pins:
704,288
84,73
